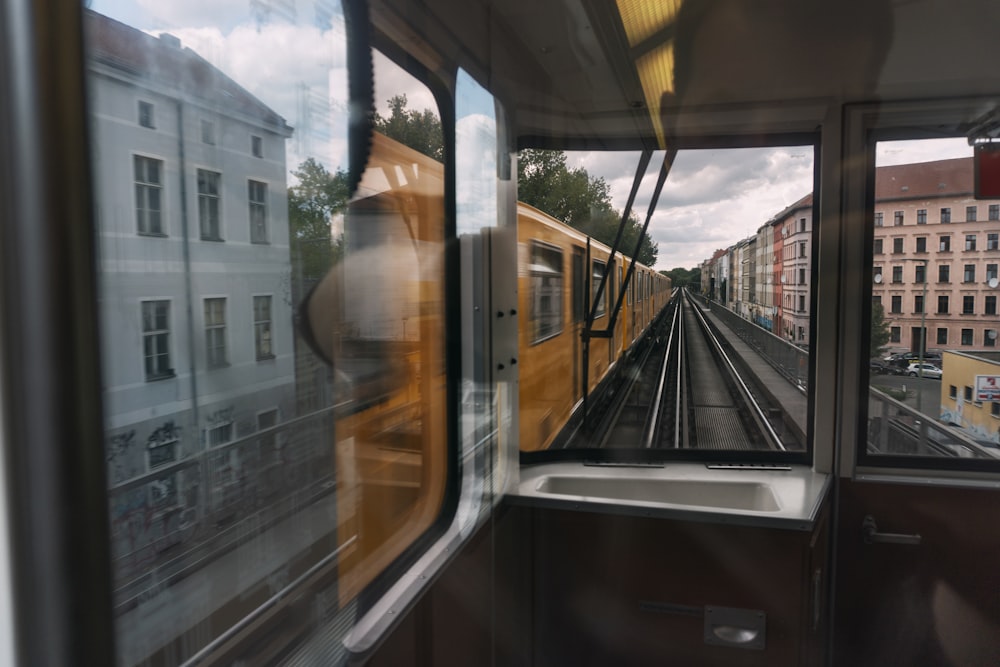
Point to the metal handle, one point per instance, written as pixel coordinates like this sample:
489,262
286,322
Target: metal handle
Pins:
870,531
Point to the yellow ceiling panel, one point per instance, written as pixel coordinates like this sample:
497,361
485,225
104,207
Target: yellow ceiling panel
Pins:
656,74
644,18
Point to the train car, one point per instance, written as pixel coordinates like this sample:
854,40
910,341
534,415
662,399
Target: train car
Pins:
559,272
277,389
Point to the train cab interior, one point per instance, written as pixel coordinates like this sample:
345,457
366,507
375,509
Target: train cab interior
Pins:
301,367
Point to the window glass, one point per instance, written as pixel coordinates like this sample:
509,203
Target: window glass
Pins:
908,414
275,405
753,279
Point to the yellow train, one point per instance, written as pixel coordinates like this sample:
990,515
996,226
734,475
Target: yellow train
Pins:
559,272
390,441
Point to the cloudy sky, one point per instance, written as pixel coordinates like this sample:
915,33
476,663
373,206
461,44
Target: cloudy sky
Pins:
291,56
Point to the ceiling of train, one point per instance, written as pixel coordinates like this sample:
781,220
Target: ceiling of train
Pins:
642,73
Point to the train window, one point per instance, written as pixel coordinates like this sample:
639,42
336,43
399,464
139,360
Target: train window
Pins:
911,420
546,316
596,277
748,383
280,423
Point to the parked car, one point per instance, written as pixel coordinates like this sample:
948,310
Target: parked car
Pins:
879,367
925,369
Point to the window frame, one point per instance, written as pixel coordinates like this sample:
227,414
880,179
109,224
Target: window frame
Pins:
209,204
257,211
142,208
156,332
215,333
260,324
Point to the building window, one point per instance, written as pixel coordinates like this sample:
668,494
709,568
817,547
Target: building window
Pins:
952,391
802,249
877,274
148,192
990,338
993,241
802,224
920,274
945,215
878,218
215,332
991,272
942,336
942,308
897,246
146,117
897,274
219,434
995,408
897,304
802,303
262,327
897,218
922,244
918,303
970,241
156,339
894,334
802,276
994,211
208,205
970,273
944,244
256,146
876,299
990,307
878,246
967,340
257,197
207,132
968,393
968,304
970,213
944,273
161,453
922,216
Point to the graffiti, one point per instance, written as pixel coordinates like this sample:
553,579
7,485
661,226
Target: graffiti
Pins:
117,452
166,433
221,416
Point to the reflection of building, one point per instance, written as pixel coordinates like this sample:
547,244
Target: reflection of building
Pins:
936,249
965,404
195,278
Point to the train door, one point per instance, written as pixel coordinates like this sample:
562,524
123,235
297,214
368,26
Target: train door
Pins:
915,579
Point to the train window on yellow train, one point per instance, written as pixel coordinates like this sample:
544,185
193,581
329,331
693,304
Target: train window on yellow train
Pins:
910,417
260,480
724,263
546,315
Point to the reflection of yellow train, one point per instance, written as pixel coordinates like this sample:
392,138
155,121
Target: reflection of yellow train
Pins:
383,330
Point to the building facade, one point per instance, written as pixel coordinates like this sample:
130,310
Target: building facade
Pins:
195,277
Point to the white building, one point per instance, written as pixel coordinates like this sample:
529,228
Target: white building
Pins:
194,262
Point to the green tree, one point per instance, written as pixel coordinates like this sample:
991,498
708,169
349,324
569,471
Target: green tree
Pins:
578,199
880,331
317,196
420,130
681,277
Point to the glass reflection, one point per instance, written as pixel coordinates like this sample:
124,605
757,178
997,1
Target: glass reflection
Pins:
272,348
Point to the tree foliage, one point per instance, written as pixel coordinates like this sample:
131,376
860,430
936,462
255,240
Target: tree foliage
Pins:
312,203
578,199
681,277
880,331
420,130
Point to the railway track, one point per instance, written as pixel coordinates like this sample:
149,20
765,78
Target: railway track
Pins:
687,391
